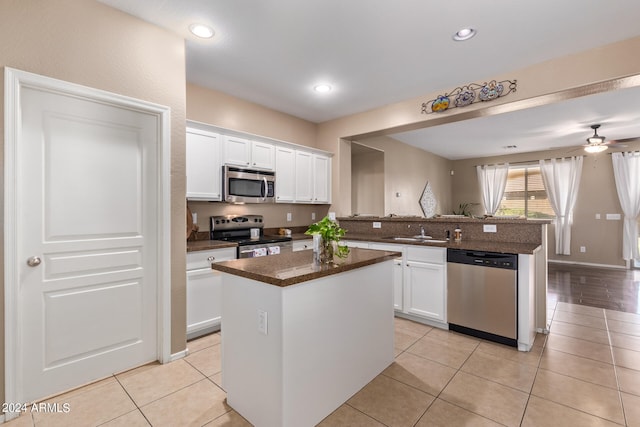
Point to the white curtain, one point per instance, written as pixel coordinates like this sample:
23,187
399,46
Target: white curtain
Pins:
626,170
493,180
561,179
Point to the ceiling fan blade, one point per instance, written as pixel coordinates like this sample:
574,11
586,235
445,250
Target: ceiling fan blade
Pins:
618,141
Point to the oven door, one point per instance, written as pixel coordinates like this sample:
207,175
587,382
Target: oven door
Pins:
248,186
264,249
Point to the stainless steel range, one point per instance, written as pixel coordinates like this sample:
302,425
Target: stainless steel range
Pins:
248,232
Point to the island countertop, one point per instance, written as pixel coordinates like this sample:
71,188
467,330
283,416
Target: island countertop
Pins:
297,267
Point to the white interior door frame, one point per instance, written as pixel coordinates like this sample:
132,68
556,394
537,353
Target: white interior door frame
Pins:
14,81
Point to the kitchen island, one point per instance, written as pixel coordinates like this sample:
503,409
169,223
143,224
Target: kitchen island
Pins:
300,338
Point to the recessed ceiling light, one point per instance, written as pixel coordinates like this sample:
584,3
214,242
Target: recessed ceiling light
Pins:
201,30
464,34
322,88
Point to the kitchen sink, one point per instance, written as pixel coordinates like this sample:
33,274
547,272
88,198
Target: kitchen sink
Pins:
423,239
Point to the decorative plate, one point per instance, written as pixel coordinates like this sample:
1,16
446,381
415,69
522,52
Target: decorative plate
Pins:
441,103
428,201
465,98
491,90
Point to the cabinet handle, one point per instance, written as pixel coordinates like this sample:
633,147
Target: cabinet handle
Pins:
211,259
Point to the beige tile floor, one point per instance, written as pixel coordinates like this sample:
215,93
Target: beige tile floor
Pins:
586,372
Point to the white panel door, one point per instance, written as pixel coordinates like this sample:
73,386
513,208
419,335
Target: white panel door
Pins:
87,194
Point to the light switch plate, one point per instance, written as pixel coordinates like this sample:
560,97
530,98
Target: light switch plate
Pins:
613,217
490,228
332,216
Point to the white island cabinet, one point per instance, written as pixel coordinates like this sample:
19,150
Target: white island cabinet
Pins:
298,340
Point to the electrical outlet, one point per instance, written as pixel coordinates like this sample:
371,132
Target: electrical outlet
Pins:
598,216
332,216
490,228
583,249
262,321
377,224
313,216
289,216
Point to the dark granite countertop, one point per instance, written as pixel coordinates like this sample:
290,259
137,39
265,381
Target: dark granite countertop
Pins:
475,245
205,245
297,267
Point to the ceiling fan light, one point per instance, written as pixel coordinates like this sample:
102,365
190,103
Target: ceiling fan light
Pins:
595,148
595,139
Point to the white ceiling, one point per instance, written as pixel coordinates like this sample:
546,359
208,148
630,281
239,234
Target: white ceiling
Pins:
374,52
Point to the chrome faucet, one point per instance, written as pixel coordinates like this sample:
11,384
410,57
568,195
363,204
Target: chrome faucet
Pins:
421,231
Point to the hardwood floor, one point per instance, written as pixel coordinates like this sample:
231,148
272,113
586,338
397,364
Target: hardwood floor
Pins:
596,287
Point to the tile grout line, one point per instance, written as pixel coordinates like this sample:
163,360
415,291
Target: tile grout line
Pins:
134,402
615,368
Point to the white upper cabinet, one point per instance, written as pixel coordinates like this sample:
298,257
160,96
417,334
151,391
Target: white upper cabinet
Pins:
204,171
263,155
304,176
237,151
321,178
244,153
285,175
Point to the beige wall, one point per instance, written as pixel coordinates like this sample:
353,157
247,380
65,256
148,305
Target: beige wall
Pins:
216,108
219,109
597,194
88,43
367,182
406,171
596,65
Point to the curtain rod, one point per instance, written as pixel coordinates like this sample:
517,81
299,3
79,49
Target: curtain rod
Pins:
530,162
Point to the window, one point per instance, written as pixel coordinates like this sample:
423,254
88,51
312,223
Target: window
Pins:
525,194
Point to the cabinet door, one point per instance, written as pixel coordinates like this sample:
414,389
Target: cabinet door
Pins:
321,179
204,293
285,175
237,151
204,173
398,273
425,286
304,173
262,155
302,245
204,287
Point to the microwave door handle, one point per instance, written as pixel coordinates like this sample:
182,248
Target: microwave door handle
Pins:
266,186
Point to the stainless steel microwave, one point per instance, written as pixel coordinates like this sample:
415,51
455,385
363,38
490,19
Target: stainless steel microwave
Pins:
248,185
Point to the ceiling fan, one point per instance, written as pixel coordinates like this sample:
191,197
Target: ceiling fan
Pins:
596,143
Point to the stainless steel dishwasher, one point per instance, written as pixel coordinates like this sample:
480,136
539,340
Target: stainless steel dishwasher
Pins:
482,294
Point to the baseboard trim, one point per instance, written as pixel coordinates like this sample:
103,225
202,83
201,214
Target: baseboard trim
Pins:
589,264
179,355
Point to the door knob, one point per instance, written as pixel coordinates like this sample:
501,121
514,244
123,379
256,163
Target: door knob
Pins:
33,261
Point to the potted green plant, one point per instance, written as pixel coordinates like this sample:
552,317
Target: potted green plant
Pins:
330,233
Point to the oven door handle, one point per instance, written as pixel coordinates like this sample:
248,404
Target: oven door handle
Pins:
248,251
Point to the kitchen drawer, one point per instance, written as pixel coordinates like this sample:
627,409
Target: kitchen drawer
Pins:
426,254
199,259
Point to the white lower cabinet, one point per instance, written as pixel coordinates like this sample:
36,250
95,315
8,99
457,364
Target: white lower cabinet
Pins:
204,287
419,280
398,273
301,245
425,283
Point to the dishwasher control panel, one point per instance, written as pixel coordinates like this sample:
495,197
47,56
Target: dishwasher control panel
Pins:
484,259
